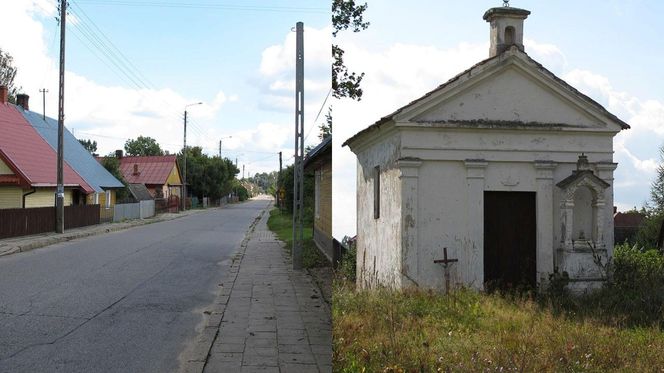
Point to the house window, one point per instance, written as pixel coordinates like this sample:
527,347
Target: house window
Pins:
318,179
108,199
376,192
96,198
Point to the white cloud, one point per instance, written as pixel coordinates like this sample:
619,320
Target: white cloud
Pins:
548,54
277,72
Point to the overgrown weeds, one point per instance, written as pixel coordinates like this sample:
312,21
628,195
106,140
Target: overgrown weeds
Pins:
281,223
423,331
616,328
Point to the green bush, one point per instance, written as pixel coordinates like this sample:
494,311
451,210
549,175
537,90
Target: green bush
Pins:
638,283
347,265
633,294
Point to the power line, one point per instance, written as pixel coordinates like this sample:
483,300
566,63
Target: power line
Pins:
317,115
125,69
209,6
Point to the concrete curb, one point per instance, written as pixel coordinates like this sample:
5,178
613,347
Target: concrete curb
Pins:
39,242
198,355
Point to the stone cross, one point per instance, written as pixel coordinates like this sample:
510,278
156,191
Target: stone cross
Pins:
445,262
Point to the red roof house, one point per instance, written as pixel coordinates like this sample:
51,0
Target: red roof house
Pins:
160,174
28,165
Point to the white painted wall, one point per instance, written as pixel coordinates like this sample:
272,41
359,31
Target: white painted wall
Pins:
378,254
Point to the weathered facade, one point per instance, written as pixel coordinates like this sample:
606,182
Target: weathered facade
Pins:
319,163
505,165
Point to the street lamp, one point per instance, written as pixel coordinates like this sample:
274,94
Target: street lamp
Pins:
184,151
227,137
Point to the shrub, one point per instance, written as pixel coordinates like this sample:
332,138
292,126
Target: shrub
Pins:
347,264
632,296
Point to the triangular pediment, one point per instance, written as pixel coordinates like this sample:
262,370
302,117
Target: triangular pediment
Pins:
511,90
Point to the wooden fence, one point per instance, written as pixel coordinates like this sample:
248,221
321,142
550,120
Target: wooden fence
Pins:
23,222
170,204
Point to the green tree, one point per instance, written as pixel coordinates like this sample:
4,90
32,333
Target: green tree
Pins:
8,74
657,187
207,176
648,233
89,145
346,15
112,165
143,146
326,127
286,181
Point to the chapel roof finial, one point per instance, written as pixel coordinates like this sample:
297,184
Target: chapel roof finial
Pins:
506,27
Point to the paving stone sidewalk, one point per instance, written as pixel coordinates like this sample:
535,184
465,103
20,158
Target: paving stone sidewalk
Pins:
275,319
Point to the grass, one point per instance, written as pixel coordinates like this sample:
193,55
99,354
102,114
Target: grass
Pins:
281,223
423,331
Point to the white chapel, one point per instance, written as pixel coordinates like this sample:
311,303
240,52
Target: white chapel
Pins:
505,168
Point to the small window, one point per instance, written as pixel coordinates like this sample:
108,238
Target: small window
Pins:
509,35
376,192
108,199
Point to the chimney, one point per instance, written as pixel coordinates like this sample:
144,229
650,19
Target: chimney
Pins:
136,173
23,100
4,94
118,154
506,25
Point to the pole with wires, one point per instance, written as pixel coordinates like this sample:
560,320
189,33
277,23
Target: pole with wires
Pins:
43,92
184,164
60,190
279,182
298,167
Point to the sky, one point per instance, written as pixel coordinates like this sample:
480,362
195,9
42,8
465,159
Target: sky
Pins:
133,65
610,50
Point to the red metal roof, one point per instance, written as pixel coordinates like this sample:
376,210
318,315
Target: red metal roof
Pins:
151,170
628,219
28,153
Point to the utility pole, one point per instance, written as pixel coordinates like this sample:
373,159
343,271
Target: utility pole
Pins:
219,149
279,182
60,190
298,179
184,171
242,172
184,150
43,92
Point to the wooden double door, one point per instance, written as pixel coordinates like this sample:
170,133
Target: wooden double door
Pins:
510,240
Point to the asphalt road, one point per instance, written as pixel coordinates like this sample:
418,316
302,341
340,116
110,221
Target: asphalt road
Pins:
127,301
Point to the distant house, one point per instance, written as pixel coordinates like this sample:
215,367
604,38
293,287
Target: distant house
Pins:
626,224
28,164
104,184
319,162
160,174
